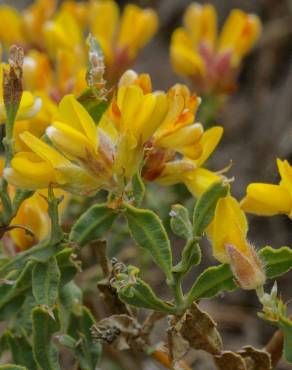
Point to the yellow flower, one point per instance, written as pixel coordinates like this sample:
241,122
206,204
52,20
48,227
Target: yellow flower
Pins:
33,214
10,26
139,126
34,18
268,199
63,32
29,104
37,124
121,37
228,232
212,61
199,179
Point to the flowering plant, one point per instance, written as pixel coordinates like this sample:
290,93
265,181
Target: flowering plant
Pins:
78,165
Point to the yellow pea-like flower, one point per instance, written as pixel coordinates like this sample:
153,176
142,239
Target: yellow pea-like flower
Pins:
228,235
121,36
199,179
269,199
11,31
211,60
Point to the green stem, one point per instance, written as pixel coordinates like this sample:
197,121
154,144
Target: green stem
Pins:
56,230
176,288
11,112
6,213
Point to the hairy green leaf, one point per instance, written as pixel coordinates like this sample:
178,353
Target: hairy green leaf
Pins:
17,282
149,233
71,296
191,256
205,207
68,265
277,261
44,324
212,281
45,282
93,224
141,295
180,222
79,328
21,349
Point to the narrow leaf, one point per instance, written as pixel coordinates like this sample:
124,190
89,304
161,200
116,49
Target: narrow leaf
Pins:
21,349
43,328
212,281
93,224
79,329
21,282
277,261
206,205
149,233
141,295
45,282
180,222
191,256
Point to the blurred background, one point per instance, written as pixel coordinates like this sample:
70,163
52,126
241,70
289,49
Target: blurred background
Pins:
258,129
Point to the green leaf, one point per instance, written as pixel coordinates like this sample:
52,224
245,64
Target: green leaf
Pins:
149,233
12,367
45,282
277,261
44,324
206,205
138,189
93,106
67,341
286,326
93,224
180,222
68,265
191,256
21,349
40,253
71,296
212,281
141,295
79,328
18,283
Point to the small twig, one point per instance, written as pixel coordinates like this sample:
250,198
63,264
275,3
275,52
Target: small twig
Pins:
275,347
150,321
99,247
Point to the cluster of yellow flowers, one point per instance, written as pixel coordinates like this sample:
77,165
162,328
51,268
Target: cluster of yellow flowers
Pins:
210,61
153,133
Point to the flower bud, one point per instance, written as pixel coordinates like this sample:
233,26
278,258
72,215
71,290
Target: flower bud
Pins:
246,267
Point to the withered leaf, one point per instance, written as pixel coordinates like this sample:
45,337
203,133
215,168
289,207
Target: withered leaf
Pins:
116,330
229,361
256,359
199,329
178,346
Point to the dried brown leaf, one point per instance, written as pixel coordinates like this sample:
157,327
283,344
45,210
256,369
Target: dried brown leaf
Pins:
256,359
117,330
229,361
199,329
